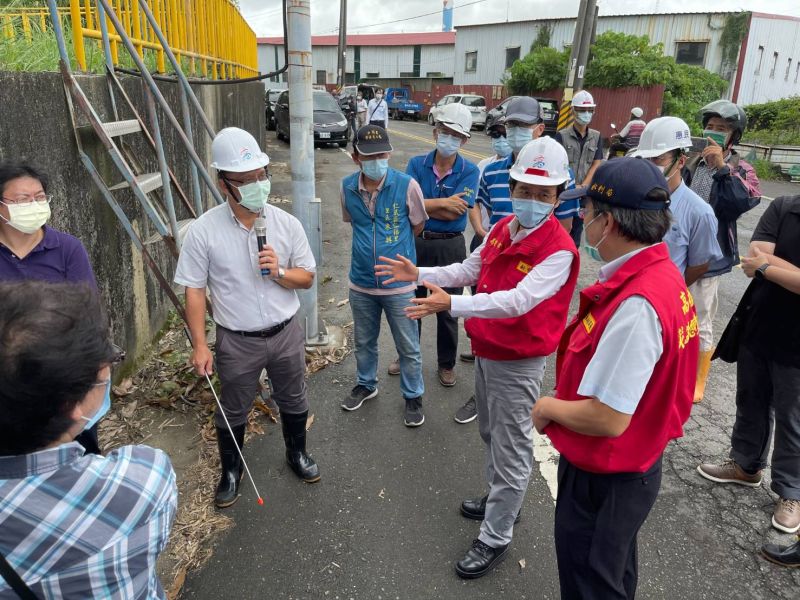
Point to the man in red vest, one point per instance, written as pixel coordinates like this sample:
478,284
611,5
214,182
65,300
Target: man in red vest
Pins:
624,382
525,272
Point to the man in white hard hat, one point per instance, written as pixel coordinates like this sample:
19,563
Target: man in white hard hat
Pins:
526,271
584,148
692,237
633,129
449,183
255,304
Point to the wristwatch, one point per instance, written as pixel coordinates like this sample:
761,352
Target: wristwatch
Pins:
760,272
281,273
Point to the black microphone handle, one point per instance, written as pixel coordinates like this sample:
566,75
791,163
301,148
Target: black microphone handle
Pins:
262,242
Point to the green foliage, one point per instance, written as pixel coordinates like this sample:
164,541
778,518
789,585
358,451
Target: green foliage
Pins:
736,26
620,60
687,89
774,123
543,69
542,38
766,170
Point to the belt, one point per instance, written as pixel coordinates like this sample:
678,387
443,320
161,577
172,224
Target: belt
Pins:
440,235
264,333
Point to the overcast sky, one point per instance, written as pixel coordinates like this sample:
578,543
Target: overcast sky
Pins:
264,15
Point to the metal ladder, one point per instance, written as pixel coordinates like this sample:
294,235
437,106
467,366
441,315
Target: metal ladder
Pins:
153,191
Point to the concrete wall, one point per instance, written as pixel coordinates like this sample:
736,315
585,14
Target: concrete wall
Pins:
35,126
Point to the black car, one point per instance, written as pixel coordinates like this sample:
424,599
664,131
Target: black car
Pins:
549,113
330,125
270,99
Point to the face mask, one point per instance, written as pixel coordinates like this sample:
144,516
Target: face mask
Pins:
359,97
501,146
447,145
717,136
530,213
378,97
584,117
375,169
104,407
518,136
254,195
665,170
28,217
592,251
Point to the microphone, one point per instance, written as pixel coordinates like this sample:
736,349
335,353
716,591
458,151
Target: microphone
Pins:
261,237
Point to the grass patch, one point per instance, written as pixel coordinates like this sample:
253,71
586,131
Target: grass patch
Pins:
766,170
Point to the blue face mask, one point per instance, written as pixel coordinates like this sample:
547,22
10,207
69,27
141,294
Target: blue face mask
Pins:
375,169
530,213
518,137
584,117
501,146
447,145
101,412
592,251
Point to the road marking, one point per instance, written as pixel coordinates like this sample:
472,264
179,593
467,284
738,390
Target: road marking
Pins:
547,457
432,143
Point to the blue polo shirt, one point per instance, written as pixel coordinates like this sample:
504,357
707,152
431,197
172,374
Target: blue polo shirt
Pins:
463,177
692,237
495,195
57,258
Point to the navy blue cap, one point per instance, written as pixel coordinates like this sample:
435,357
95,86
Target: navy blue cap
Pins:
371,139
625,182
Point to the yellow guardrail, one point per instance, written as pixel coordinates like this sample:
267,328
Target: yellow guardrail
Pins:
209,37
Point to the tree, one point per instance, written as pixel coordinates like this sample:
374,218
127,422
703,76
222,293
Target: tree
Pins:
620,60
687,89
542,69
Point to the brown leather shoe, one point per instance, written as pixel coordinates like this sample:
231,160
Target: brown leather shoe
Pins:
729,472
394,367
447,377
786,516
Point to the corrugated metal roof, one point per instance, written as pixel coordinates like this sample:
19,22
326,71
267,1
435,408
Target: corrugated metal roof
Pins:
425,38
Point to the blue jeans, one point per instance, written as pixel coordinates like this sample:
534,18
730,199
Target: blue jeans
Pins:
367,322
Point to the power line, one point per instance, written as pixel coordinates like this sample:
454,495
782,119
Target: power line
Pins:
436,12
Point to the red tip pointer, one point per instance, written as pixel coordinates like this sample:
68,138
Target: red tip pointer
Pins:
261,501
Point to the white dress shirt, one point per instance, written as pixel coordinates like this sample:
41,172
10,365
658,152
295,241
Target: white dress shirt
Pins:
378,111
542,282
222,254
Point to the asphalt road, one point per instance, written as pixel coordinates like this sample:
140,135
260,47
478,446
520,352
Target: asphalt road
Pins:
384,524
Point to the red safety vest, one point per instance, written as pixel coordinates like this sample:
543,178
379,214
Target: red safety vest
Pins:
503,265
667,399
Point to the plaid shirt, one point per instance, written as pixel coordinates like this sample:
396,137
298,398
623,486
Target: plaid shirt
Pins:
86,526
703,180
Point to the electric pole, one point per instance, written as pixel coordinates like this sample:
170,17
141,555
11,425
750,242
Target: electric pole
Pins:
579,53
341,69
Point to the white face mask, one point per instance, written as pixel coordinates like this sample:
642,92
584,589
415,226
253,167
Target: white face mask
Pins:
28,217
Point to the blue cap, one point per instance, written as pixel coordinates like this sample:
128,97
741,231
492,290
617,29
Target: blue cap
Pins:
625,182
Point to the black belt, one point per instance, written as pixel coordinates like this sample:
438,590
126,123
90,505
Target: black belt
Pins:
264,333
439,235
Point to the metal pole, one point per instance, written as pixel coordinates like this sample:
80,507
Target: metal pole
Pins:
301,132
187,127
575,50
342,50
101,17
586,42
62,47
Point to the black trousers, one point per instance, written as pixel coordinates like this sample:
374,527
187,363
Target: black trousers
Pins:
440,253
477,240
597,520
576,231
88,439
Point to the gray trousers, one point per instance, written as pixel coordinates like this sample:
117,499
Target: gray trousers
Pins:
505,392
767,398
239,361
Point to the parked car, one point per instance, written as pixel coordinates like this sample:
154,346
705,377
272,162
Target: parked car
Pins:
401,105
549,114
270,99
475,104
330,125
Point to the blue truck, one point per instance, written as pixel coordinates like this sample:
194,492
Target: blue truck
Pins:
401,105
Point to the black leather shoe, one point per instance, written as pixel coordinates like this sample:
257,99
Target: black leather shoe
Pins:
232,467
786,556
294,435
479,560
475,509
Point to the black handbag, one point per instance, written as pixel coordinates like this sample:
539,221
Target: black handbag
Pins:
728,346
14,580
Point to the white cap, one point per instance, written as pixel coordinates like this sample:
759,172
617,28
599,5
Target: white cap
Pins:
637,112
237,151
457,117
583,99
662,135
542,161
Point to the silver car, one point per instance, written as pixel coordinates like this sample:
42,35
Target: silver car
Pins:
475,104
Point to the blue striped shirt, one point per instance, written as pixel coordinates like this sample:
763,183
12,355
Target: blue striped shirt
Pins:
86,526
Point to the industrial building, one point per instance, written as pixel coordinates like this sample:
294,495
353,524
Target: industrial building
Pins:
767,67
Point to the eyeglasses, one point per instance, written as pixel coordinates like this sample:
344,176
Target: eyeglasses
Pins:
497,134
540,196
261,178
28,199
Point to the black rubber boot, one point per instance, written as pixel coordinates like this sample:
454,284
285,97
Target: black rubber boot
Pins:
232,467
294,434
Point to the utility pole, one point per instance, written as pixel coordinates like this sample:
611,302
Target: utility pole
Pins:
576,68
305,205
341,69
587,38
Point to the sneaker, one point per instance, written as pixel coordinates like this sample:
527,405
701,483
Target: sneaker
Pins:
394,367
786,516
729,472
447,377
467,356
413,416
356,397
468,412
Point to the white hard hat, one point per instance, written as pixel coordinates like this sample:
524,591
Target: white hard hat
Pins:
662,135
542,161
457,117
637,112
583,99
237,151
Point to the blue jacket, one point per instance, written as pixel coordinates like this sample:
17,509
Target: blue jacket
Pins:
387,233
463,178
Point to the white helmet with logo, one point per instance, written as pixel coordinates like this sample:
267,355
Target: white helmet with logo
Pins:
457,117
662,135
583,99
236,151
542,161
